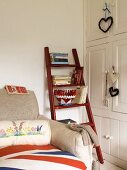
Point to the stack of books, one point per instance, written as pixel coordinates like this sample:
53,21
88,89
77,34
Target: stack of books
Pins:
59,58
77,76
61,79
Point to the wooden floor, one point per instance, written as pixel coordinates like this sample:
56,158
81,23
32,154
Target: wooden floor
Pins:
109,166
106,166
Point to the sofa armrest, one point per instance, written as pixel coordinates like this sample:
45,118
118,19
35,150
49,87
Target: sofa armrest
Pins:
68,140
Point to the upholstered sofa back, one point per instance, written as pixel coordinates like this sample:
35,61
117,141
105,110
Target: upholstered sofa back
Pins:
17,107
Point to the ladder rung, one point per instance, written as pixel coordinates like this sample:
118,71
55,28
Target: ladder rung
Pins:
70,106
63,65
68,85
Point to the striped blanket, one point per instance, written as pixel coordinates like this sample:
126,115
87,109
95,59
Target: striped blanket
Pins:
32,157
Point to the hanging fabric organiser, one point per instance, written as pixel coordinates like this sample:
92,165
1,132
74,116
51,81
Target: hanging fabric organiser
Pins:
114,77
106,98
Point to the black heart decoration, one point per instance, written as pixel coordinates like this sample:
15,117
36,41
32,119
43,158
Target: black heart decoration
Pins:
113,92
109,19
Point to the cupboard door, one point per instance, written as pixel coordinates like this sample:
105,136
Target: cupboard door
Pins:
123,141
120,16
110,136
105,134
94,14
97,64
114,137
120,63
97,120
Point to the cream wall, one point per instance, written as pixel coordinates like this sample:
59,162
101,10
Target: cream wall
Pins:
26,27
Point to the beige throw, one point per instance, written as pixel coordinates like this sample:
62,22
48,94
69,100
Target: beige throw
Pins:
87,133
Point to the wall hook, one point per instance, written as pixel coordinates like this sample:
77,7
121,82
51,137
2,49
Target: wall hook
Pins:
106,9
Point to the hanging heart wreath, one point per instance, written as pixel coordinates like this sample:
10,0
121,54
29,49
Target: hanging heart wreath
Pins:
108,20
113,91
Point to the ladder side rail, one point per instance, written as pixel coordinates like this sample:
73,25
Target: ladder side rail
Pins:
91,120
88,108
89,113
49,82
76,59
99,154
77,62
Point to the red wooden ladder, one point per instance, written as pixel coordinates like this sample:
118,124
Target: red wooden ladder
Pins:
51,86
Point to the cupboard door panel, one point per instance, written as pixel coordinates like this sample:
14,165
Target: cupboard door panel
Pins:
114,137
123,141
120,63
105,132
120,16
96,57
94,14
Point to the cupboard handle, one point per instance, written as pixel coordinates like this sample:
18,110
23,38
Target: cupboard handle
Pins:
108,137
111,137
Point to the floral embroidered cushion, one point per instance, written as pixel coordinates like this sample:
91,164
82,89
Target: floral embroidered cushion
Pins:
33,132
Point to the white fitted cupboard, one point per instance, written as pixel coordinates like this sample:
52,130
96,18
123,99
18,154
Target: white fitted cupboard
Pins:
105,50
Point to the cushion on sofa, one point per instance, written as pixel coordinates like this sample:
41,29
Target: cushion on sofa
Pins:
33,132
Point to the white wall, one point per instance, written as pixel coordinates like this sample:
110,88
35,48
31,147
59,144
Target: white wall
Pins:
26,27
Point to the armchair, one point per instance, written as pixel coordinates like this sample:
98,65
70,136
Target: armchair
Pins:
25,107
